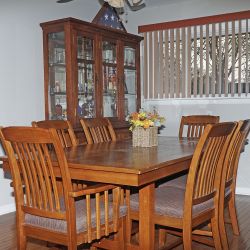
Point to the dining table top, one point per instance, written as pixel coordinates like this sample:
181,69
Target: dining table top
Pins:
121,163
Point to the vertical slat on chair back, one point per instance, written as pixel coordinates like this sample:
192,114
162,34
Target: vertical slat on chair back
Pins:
207,162
98,130
194,125
64,130
29,153
235,147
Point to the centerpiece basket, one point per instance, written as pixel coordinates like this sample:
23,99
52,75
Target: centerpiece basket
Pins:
144,127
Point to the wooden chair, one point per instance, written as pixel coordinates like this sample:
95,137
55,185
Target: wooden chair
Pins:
195,125
63,128
187,209
41,213
98,130
67,138
229,178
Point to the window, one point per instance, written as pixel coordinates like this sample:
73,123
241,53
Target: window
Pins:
201,59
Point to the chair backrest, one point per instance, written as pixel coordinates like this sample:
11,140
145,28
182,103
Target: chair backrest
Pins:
195,125
98,130
233,153
29,155
64,130
206,167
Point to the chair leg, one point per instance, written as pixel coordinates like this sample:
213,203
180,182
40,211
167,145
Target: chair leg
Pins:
72,244
21,238
216,233
233,215
187,238
223,233
162,237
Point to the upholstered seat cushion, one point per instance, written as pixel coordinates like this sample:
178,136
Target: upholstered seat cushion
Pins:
81,223
169,201
179,182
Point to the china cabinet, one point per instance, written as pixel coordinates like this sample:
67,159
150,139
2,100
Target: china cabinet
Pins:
90,71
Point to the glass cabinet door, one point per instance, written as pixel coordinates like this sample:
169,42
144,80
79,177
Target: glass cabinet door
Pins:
86,84
109,64
130,76
57,76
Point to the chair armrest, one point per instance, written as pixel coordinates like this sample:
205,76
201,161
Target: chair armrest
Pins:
92,190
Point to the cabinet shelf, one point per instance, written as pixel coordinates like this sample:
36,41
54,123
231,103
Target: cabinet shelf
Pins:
62,65
57,93
86,61
129,67
114,65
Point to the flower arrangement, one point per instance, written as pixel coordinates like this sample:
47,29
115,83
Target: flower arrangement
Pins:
145,119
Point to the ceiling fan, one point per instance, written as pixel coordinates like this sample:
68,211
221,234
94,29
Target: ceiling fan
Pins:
134,5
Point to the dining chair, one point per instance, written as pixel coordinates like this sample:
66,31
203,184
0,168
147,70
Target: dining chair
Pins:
76,217
67,138
228,188
98,130
187,209
194,125
64,130
229,178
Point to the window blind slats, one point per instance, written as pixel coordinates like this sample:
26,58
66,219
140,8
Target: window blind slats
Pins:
247,58
183,78
219,75
233,58
172,55
226,59
166,82
204,60
239,58
189,62
177,65
150,65
145,86
213,60
195,63
156,64
161,64
207,61
201,61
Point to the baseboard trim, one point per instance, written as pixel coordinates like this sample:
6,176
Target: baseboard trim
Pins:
7,209
243,191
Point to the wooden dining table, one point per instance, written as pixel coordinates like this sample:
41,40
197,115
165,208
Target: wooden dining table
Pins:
121,163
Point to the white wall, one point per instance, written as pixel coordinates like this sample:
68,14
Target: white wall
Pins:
21,58
21,63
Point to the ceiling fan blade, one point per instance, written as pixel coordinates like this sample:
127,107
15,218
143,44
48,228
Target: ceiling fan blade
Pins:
136,6
63,1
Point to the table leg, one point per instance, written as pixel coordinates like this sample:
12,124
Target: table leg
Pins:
146,210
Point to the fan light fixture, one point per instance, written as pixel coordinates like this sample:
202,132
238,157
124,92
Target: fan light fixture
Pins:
120,3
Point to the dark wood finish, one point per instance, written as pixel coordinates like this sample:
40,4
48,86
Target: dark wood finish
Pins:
195,21
28,151
203,184
195,125
71,27
98,130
